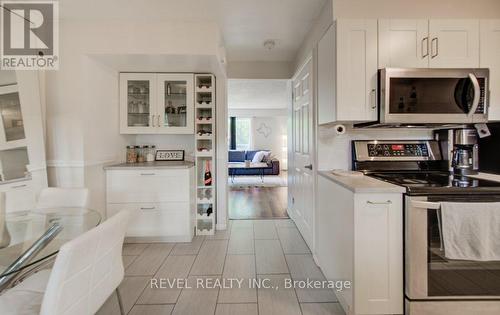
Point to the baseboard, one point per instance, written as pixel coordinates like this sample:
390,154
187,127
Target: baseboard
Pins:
159,239
221,226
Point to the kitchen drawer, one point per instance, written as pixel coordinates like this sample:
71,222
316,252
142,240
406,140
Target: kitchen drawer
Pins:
19,196
157,186
156,219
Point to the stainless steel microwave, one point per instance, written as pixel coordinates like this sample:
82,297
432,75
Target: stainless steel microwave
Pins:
432,96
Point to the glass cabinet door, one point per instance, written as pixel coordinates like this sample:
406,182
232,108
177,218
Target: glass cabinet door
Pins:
138,102
11,114
176,103
137,92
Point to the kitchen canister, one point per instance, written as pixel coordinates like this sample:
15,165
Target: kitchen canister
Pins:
131,154
150,153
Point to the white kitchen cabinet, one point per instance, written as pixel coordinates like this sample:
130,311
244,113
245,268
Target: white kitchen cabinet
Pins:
326,77
164,200
137,103
152,103
490,58
12,133
422,43
350,93
175,107
403,43
22,150
453,43
359,237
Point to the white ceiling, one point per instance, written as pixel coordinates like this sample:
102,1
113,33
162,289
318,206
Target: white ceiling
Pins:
257,94
245,24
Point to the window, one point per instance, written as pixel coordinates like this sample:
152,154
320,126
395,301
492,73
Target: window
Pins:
240,135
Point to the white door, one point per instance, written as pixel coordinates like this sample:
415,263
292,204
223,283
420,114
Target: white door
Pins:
137,103
403,43
303,148
356,70
175,111
490,58
454,43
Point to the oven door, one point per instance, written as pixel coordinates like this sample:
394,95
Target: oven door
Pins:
428,274
433,96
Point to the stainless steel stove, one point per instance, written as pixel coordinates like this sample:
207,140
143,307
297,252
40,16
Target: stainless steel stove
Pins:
416,165
433,283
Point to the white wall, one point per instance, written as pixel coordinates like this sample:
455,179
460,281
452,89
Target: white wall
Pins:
270,133
315,33
257,94
259,70
7,77
82,96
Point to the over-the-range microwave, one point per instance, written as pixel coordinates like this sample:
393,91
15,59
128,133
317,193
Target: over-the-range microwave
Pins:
427,97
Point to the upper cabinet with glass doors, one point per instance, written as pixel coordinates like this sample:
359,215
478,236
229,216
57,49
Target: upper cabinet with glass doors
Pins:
153,103
175,103
11,123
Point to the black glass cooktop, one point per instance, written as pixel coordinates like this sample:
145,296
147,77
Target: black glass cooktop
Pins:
438,183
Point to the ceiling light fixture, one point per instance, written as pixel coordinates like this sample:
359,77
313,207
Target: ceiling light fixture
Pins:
269,44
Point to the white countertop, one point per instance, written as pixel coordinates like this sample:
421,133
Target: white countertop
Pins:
362,184
150,165
487,176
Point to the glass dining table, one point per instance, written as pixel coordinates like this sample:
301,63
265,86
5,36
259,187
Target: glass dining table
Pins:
30,238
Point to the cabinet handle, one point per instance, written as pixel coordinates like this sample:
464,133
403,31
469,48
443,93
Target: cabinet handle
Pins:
436,41
373,98
426,54
18,186
148,208
147,174
388,202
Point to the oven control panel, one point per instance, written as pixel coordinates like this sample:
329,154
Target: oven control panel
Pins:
397,150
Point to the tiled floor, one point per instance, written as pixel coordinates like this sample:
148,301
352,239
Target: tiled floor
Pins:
271,251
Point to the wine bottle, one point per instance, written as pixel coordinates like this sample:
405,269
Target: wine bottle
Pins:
208,174
209,210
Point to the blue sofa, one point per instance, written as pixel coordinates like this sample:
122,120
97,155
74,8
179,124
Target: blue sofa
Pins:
241,156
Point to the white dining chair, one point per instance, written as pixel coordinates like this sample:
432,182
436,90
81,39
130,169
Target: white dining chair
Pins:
86,272
63,197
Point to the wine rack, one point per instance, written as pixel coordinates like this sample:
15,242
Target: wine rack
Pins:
205,153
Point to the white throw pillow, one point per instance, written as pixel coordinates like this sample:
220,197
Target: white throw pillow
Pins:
267,156
257,158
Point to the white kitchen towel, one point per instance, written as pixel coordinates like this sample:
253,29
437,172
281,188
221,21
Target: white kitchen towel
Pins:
471,231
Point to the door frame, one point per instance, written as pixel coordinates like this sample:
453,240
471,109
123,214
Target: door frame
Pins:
311,57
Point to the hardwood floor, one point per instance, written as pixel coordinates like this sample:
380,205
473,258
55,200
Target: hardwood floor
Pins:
258,202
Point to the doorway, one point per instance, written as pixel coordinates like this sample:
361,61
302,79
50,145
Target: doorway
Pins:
258,146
